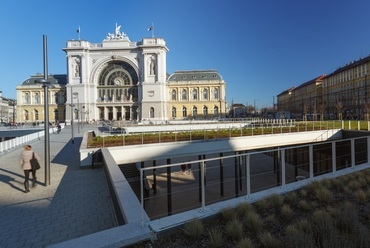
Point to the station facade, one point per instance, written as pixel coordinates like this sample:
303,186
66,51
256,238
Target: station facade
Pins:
118,79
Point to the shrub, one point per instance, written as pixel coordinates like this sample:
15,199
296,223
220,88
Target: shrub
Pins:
276,201
194,228
215,237
286,212
304,205
298,238
269,241
291,197
360,196
244,208
228,214
234,229
323,195
244,243
253,222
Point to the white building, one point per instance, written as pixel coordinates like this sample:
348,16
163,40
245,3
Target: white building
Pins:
117,79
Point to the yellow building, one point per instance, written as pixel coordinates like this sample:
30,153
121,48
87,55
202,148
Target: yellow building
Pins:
196,94
31,100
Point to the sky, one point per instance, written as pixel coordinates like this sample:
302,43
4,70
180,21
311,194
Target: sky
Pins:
259,47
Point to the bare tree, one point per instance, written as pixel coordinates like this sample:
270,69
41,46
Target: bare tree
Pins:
340,108
367,110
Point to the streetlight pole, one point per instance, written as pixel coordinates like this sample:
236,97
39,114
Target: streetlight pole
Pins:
75,96
73,138
45,85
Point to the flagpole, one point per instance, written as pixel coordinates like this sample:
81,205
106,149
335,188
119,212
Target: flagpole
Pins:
79,32
152,30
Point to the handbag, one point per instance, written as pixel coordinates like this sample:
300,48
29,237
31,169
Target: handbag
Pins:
34,163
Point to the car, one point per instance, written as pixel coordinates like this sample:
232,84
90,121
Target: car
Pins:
118,130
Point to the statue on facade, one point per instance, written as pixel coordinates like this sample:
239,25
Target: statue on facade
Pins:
117,34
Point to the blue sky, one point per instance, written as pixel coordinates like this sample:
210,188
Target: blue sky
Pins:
260,47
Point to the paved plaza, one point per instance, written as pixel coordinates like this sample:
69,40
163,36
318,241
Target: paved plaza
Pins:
76,203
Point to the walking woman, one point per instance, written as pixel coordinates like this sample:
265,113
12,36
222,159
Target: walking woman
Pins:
26,156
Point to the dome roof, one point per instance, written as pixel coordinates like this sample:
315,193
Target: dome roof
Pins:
194,75
53,79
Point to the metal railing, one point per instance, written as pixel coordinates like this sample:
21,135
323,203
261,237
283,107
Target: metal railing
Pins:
226,176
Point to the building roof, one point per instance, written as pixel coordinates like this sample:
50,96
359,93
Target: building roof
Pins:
53,79
195,75
350,65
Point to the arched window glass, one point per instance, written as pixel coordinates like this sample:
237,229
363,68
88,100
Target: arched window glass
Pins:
205,111
36,115
152,112
184,95
184,112
173,95
215,94
173,112
195,94
205,94
215,111
195,112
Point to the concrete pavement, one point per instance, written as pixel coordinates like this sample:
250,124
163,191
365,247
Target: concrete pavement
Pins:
76,203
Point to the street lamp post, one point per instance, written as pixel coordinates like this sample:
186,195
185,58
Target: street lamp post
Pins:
45,85
75,96
72,135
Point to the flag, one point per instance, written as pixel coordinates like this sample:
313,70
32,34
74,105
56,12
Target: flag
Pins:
78,30
150,28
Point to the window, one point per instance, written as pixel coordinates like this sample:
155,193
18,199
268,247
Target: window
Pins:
184,95
151,112
26,117
195,112
173,95
215,111
37,98
26,98
195,94
184,112
36,115
56,98
205,111
205,94
215,94
173,112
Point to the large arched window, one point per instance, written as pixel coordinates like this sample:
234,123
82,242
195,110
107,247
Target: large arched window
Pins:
205,111
215,94
173,112
195,112
195,94
215,111
184,95
184,112
173,94
36,114
205,94
151,112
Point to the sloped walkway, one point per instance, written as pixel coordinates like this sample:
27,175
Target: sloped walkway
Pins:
76,203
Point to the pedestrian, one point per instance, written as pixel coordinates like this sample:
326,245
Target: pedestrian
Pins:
188,167
26,156
183,168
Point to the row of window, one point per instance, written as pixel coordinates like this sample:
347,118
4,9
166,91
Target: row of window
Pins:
184,94
184,112
37,98
36,115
